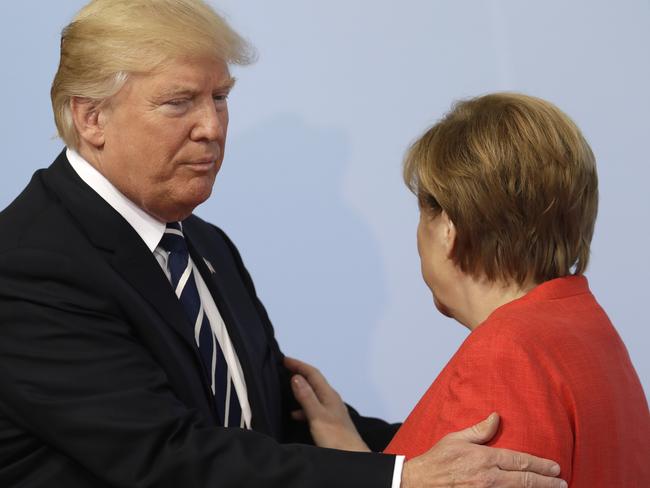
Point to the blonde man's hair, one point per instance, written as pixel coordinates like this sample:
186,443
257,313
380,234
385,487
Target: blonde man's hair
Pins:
110,39
517,179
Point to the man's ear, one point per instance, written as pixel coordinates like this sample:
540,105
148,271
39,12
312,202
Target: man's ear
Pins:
448,233
89,117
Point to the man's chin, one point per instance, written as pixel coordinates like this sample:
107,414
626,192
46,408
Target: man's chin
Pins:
198,192
179,209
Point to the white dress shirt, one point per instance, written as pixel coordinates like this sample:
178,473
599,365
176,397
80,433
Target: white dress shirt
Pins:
151,232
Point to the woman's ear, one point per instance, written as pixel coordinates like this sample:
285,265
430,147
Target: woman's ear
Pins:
448,233
89,117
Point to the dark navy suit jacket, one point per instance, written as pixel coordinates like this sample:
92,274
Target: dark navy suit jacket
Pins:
101,384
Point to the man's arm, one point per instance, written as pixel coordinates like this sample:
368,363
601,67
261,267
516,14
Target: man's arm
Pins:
78,386
457,460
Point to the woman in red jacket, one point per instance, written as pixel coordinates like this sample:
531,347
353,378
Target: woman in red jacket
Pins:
508,196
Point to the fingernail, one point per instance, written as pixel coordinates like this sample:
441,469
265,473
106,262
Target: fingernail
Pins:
555,469
298,381
564,484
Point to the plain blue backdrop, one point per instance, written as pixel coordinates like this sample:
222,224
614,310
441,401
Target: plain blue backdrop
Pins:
310,189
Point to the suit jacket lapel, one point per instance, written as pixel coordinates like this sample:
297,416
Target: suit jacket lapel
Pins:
128,254
140,268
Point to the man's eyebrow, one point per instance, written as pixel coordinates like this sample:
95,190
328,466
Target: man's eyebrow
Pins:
228,83
177,91
183,90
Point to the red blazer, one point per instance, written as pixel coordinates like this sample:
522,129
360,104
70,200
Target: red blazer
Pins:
554,367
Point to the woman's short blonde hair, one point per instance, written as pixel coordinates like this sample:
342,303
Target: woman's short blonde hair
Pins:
110,39
517,179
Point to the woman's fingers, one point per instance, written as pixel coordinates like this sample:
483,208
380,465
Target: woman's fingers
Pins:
314,377
328,417
296,366
298,415
304,393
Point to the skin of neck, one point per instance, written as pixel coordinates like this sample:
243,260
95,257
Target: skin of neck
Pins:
92,155
475,298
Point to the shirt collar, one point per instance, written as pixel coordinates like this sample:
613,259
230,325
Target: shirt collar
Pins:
148,228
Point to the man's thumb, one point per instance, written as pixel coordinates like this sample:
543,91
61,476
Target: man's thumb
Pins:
479,433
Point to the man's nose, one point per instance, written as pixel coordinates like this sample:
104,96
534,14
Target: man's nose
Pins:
211,123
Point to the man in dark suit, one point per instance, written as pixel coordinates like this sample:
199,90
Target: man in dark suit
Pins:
133,348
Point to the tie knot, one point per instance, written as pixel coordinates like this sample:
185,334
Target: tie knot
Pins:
173,239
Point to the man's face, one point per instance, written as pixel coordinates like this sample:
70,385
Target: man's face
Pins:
164,136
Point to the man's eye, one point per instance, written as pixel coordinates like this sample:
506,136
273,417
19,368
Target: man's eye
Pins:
220,98
177,102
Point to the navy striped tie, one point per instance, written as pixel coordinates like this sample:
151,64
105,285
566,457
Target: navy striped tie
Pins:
184,283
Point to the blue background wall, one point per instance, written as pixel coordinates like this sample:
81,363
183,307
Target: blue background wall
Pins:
311,190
